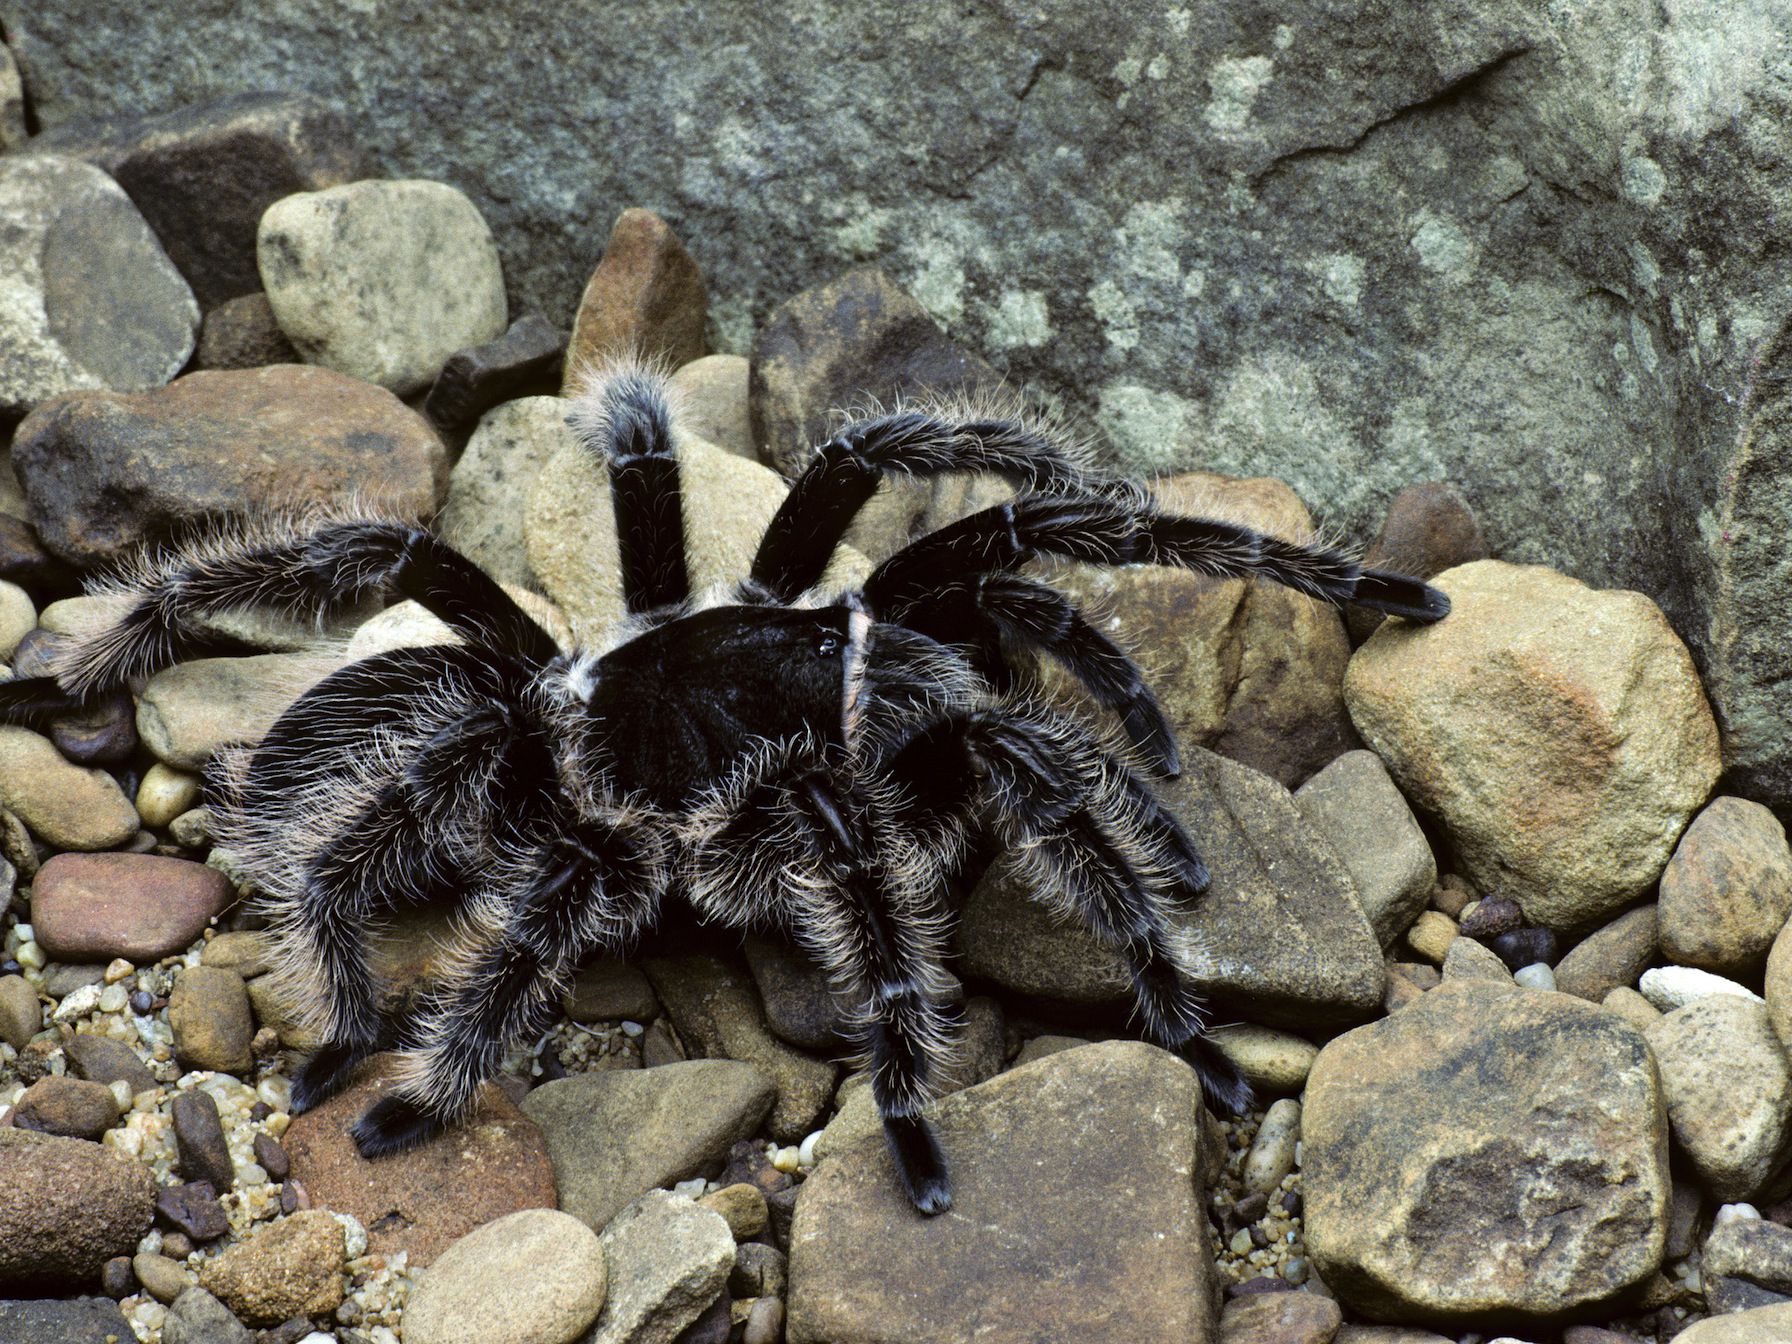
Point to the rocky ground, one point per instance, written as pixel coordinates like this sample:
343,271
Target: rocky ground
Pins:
1509,969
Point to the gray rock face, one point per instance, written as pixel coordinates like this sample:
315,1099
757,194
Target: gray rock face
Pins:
668,1259
91,299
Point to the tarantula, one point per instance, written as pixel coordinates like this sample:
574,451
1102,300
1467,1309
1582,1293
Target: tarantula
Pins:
823,765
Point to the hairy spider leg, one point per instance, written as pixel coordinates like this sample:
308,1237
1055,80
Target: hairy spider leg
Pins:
846,471
624,420
1114,532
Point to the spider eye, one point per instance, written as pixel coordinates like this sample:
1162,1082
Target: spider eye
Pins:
828,645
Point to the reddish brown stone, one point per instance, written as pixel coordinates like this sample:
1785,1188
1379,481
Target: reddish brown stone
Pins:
1280,1318
421,1201
142,907
1429,528
646,295
104,471
241,333
68,1107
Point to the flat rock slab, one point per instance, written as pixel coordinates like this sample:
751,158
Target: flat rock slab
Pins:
142,907
1354,804
1077,1214
91,299
1487,1153
423,1200
616,1134
105,471
1280,934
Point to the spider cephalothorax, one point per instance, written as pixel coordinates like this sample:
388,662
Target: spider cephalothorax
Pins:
822,765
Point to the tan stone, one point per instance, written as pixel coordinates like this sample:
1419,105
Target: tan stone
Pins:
188,711
208,1011
710,397
646,297
1469,959
1727,890
66,1207
291,1267
1633,1007
1763,1325
1431,936
1280,1318
65,805
535,1276
1610,957
488,492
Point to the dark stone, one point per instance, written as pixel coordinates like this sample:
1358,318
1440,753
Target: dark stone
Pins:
1252,1207
1429,528
1526,947
759,1271
1495,915
103,735
81,1320
199,1137
117,1280
192,1209
203,175
524,361
287,1332
241,333
142,1002
292,1195
712,1327
781,1205
24,561
748,1165
800,1005
271,1157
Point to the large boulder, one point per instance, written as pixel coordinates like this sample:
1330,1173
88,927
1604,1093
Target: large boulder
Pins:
66,1207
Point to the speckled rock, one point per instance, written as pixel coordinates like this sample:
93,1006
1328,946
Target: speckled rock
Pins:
667,1259
1727,890
423,1200
800,1005
712,402
66,1106
208,1011
531,1277
100,1059
242,333
142,907
1763,1325
12,101
381,280
66,1207
1468,959
1355,806
488,492
188,711
1777,986
1558,733
92,299
1609,957
1729,1091
1274,1062
199,1318
646,297
1485,1151
81,1320
1284,940
105,471
1043,1262
290,1267
608,990
616,1134
66,805
17,618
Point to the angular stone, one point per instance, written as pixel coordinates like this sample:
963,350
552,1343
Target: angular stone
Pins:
607,991
1612,956
66,805
1467,959
1429,528
382,280
92,300
422,1200
81,1320
106,471
1487,1151
1354,805
1751,1249
290,1267
525,358
1729,1091
667,1261
241,333
142,907
489,491
66,1106
189,711
1043,1260
193,1210
646,298
208,1011
199,1139
1283,939
718,1015
66,1207
712,402
199,1318
616,1134
531,1277
1562,766
1727,890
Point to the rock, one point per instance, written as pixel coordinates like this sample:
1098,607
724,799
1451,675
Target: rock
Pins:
66,1106
531,1277
1486,1151
1614,955
1431,936
290,1267
103,735
164,794
759,1271
1042,1046
1467,959
1671,987
199,1318
1763,1325
667,1260
23,560
1727,890
1752,1250
1491,917
66,1207
193,1210
104,471
1777,988
271,1157
199,1136
241,333
800,1005
489,491
980,1049
610,990
1520,948
381,280
423,1200
208,1011
1563,764
616,1134
143,907
100,1059
713,404
1286,943
1280,1318
1271,1156
646,298
21,1016
717,1015
1353,803
17,617
1633,1007
92,300
67,806
82,1320
1042,1260
1386,1334
526,357
162,1278
12,102
765,1323
742,1206
188,711
1429,528
1729,1091
570,528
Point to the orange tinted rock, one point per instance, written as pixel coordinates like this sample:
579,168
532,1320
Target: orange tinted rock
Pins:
646,295
142,907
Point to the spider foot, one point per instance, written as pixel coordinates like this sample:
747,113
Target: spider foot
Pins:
1222,1084
393,1124
325,1074
920,1163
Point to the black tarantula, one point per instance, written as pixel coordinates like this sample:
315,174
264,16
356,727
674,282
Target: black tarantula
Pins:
822,765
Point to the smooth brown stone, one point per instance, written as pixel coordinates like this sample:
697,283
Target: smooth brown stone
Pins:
646,297
142,907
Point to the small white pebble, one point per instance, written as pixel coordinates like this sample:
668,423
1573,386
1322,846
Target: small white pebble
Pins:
1671,987
318,1337
1535,976
805,1155
275,1092
121,1094
786,1160
1735,1213
31,956
21,933
77,1005
251,1173
113,999
633,1029
692,1188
